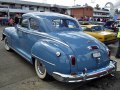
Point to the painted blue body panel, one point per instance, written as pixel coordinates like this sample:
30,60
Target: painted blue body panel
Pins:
44,45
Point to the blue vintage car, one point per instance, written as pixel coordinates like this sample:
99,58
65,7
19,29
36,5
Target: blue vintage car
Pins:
57,47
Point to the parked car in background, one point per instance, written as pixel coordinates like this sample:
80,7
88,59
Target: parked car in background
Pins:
57,47
91,23
100,33
117,24
111,25
84,22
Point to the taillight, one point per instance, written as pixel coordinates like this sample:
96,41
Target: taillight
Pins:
73,60
94,47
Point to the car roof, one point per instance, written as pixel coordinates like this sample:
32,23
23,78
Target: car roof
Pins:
47,15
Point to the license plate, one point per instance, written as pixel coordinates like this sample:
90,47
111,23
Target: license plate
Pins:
96,54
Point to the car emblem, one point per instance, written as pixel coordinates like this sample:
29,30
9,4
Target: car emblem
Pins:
58,54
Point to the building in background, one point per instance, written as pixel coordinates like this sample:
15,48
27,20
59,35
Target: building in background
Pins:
11,7
81,11
4,10
101,13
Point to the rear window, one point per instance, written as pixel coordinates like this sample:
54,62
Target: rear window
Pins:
64,23
60,24
97,28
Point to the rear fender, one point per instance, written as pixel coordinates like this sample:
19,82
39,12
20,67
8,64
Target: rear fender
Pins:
46,52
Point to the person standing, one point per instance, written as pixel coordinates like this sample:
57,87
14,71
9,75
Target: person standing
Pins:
16,19
20,18
118,50
11,21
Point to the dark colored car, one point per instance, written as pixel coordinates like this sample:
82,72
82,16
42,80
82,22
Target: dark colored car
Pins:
111,25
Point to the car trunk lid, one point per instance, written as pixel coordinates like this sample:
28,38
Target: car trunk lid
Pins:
108,35
80,44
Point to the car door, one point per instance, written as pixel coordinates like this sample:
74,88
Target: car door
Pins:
22,31
32,35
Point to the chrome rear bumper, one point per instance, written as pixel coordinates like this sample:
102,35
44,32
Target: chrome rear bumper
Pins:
86,76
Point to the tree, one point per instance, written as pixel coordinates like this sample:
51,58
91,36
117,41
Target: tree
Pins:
86,4
97,6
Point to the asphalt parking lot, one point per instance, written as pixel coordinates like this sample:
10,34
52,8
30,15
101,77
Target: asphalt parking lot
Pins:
18,74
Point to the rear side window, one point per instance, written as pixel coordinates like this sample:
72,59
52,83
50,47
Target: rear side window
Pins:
24,23
34,24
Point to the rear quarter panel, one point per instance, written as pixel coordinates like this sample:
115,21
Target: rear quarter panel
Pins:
47,54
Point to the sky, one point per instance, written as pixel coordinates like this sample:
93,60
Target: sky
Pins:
79,2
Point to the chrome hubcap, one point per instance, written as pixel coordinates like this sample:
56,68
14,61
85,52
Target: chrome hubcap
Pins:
40,67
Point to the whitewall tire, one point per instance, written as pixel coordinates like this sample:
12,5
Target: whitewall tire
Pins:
7,45
41,70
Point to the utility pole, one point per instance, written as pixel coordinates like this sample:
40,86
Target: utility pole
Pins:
74,2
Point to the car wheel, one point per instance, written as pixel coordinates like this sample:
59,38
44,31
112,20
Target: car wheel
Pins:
41,70
6,45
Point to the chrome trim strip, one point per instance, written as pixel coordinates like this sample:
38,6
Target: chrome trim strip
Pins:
48,37
44,60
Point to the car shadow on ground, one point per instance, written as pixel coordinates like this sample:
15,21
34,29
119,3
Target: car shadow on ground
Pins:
104,83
